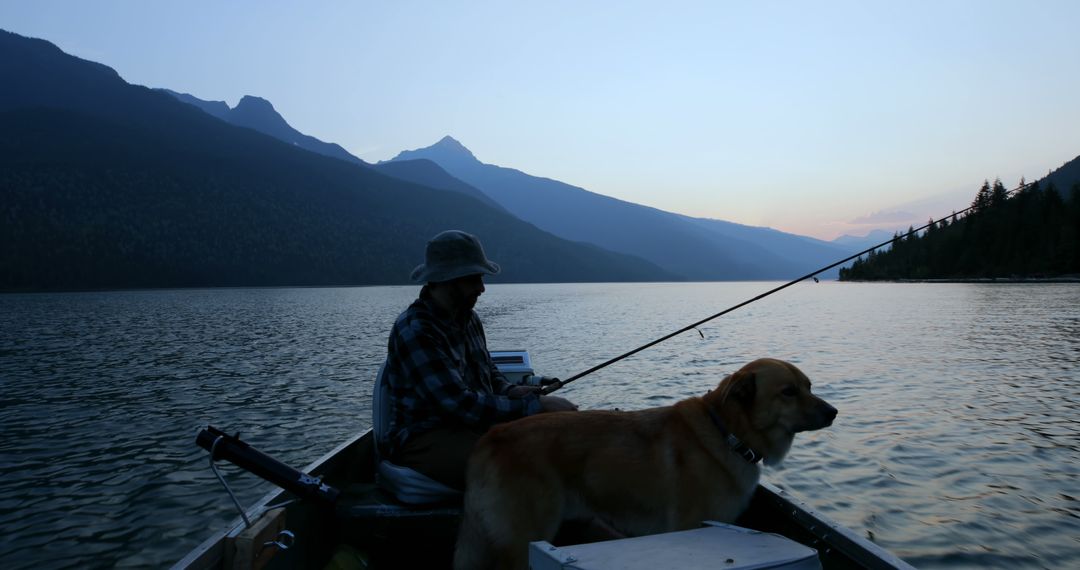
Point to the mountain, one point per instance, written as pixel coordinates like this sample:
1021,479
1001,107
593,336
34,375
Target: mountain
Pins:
259,114
219,109
104,184
694,248
753,244
427,173
856,243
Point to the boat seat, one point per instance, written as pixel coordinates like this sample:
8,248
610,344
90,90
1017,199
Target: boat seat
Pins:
406,485
412,487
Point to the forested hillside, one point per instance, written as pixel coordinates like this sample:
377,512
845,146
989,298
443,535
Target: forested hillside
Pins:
108,185
1033,232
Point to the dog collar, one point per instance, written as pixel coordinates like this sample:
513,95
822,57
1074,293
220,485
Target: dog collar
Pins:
733,442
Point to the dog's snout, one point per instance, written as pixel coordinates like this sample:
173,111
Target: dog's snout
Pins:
828,413
818,415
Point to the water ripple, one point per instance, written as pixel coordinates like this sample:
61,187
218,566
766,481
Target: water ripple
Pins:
956,444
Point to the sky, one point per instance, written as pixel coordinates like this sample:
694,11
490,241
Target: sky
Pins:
817,118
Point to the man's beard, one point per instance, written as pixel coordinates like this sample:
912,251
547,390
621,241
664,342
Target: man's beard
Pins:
465,302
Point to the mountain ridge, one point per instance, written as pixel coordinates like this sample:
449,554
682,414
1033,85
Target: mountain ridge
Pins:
108,185
859,243
695,248
259,114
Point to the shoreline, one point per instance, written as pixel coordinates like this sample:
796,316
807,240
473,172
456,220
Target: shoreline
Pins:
1031,280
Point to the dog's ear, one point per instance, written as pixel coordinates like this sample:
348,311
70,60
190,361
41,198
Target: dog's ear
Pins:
742,388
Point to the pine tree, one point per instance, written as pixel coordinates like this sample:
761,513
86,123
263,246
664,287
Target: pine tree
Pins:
982,199
1032,233
998,194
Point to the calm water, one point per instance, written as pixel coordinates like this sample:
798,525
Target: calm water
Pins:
957,444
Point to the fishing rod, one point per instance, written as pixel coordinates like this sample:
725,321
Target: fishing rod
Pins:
560,383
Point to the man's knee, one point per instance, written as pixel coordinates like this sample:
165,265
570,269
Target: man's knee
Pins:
441,454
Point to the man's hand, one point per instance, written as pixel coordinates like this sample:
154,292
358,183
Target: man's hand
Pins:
556,404
522,391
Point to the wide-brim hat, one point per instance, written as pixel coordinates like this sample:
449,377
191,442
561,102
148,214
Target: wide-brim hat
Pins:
453,254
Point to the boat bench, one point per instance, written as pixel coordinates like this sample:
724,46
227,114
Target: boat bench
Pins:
398,534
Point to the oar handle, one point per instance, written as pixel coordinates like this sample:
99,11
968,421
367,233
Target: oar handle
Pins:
239,453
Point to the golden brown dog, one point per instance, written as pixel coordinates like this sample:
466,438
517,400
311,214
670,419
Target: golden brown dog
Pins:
643,472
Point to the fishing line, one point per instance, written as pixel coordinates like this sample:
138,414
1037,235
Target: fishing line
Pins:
560,383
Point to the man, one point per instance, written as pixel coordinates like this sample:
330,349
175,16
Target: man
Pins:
446,391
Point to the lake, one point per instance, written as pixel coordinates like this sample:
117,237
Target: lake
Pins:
957,443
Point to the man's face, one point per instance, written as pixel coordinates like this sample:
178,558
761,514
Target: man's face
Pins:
467,290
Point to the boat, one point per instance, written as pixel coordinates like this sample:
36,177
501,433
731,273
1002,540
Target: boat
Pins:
339,513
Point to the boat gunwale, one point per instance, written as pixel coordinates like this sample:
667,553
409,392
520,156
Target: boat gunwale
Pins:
860,550
793,511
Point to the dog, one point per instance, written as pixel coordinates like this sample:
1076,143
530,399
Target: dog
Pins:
635,473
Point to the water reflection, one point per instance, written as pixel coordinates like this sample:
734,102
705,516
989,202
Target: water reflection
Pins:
956,443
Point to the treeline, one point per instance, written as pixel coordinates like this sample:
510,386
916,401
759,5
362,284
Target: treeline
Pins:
1032,233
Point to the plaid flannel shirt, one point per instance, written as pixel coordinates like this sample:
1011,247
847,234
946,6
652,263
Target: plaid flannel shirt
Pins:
440,373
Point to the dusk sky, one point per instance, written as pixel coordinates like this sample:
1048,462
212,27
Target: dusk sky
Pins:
817,118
